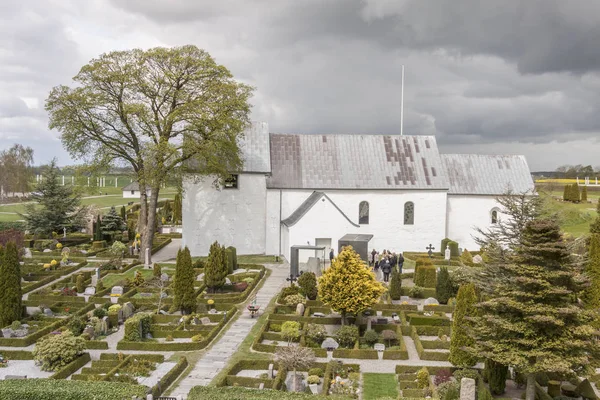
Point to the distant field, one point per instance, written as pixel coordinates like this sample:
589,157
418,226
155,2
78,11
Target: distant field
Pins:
573,218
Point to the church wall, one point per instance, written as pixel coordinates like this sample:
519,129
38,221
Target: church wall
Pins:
233,217
466,212
386,218
273,227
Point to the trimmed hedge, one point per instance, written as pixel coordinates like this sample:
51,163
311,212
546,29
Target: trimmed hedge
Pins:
53,389
427,292
427,355
161,245
435,344
170,377
426,276
239,393
16,354
72,367
96,345
441,308
360,354
434,320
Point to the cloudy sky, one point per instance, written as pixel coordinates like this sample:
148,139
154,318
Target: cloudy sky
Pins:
494,76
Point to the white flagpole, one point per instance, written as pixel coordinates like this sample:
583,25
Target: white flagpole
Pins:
402,105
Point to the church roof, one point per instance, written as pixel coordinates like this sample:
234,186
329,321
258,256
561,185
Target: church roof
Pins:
355,162
487,174
307,205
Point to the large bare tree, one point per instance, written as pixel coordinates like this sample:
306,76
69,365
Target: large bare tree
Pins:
158,111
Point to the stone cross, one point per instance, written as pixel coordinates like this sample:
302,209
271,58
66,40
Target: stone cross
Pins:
430,249
64,232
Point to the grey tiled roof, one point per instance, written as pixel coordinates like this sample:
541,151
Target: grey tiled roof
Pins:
132,186
487,174
355,162
254,148
307,205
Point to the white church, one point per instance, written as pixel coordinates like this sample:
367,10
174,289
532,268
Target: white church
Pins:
298,189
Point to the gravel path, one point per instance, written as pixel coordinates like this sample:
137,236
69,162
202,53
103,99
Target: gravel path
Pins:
169,252
215,359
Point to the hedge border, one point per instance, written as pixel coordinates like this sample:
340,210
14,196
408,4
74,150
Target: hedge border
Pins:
170,377
423,354
72,367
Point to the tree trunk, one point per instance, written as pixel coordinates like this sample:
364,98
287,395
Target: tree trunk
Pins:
142,219
530,391
343,313
148,232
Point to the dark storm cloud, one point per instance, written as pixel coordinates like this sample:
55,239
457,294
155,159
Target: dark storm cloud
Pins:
478,73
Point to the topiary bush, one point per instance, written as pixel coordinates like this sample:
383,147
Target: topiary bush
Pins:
395,288
466,258
156,271
443,246
347,336
453,248
290,330
496,374
295,299
423,378
313,380
426,276
316,333
371,337
308,285
445,287
388,336
416,292
56,351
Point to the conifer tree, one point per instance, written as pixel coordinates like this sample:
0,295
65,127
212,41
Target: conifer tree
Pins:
460,339
595,226
591,295
575,193
566,193
184,298
531,319
496,375
348,271
112,222
98,231
584,194
57,205
167,211
445,287
395,285
123,213
10,285
177,217
215,268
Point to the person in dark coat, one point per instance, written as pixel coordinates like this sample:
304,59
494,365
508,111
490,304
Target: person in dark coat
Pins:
400,262
372,260
331,255
386,268
394,260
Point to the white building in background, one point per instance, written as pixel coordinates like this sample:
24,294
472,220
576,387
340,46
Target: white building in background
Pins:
132,191
314,189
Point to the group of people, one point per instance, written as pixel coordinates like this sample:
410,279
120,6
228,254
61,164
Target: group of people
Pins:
386,261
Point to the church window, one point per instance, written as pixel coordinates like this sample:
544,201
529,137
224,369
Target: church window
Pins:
363,213
231,182
494,216
409,213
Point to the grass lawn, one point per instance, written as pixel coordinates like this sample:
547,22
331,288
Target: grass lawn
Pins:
376,386
112,279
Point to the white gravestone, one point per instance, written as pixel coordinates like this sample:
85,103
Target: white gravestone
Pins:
447,253
467,389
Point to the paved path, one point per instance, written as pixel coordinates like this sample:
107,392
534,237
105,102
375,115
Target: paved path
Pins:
26,295
217,357
169,252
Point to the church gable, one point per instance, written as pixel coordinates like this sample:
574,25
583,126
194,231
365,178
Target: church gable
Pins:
355,162
308,204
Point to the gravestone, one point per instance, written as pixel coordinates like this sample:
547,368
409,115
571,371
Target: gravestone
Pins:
431,301
270,371
27,253
95,277
205,321
163,312
195,321
467,389
104,326
405,299
120,316
117,290
47,251
314,389
201,277
213,311
477,259
227,281
329,343
90,331
318,314
300,309
164,277
379,346
48,312
89,291
261,386
128,310
395,317
447,253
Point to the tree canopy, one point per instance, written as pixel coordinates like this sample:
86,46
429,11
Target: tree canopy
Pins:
57,208
159,111
16,169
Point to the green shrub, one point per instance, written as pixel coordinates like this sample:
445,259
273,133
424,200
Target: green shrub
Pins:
416,292
76,325
229,259
197,338
290,330
423,378
371,337
100,312
465,306
56,351
295,299
316,333
453,248
426,276
156,270
52,389
449,390
275,327
308,285
445,287
347,335
443,246
233,251
137,327
313,380
496,374
316,372
466,258
80,284
466,373
389,336
395,288
483,392
286,291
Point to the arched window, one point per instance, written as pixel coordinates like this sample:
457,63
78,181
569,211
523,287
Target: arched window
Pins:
409,213
494,216
363,213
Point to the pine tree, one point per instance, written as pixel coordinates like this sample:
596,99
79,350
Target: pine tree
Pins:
80,284
460,339
445,287
584,194
123,213
112,222
167,211
575,193
566,193
348,271
57,206
531,319
184,298
595,226
10,285
591,295
395,285
177,209
496,375
98,231
215,268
